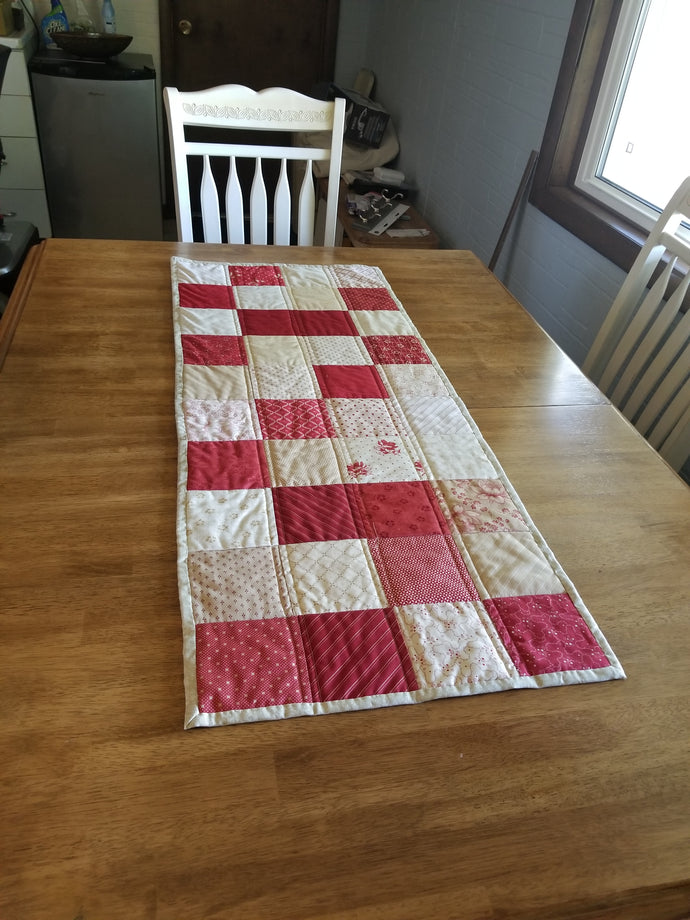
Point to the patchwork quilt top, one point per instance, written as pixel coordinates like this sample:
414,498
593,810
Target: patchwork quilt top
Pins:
346,538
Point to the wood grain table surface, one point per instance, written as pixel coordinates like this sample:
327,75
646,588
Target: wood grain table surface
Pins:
569,803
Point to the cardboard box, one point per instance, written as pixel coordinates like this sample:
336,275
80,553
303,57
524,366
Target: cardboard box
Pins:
365,120
6,17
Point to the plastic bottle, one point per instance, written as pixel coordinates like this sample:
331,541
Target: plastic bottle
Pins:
55,21
108,17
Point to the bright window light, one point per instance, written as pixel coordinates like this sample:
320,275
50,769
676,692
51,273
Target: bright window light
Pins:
638,149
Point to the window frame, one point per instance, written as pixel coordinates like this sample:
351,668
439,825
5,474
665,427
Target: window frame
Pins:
553,190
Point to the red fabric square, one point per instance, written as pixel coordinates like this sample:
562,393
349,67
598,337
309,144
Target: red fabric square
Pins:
213,350
247,664
396,349
400,509
544,633
355,653
309,514
422,570
325,322
267,322
354,381
368,299
226,465
254,275
206,296
288,419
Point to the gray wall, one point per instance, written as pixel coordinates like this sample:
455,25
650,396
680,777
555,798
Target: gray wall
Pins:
469,84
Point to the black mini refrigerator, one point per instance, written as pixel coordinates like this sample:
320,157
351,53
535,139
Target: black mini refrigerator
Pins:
98,133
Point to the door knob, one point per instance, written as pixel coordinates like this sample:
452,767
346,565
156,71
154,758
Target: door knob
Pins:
184,27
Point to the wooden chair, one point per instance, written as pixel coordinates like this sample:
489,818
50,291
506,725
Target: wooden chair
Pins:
238,108
641,355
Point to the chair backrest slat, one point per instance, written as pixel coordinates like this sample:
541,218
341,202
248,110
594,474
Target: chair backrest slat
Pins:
305,230
281,208
258,207
210,211
234,205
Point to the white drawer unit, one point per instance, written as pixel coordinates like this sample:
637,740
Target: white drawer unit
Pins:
21,177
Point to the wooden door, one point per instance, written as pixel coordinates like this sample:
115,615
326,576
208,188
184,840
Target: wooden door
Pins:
258,43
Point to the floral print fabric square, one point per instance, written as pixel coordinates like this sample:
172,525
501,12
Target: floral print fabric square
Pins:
346,539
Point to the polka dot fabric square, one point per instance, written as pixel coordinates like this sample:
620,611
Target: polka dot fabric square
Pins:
248,664
346,539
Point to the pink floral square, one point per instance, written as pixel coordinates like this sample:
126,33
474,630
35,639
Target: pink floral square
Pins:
356,653
373,298
309,514
396,349
400,509
544,633
226,465
479,505
254,275
285,419
248,664
354,381
422,570
206,296
213,350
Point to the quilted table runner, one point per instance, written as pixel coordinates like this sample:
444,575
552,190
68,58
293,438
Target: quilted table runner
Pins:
346,538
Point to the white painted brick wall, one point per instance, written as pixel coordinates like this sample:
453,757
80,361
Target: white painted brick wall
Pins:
469,84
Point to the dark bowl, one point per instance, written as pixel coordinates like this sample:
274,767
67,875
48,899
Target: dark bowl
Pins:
91,44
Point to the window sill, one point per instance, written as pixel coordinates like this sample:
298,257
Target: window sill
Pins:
616,238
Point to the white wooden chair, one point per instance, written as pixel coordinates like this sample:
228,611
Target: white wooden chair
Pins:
270,110
641,355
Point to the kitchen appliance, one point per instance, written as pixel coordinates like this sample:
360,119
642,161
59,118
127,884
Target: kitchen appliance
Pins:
98,133
16,236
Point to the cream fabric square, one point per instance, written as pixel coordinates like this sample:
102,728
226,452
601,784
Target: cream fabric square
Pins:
274,349
361,418
356,276
230,520
261,297
336,349
276,381
310,287
432,414
226,382
449,645
415,380
511,564
235,584
208,322
189,272
382,322
333,576
220,420
378,460
456,456
303,462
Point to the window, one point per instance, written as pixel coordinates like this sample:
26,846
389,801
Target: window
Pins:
598,174
637,150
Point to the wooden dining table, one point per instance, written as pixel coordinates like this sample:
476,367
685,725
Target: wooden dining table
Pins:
562,803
